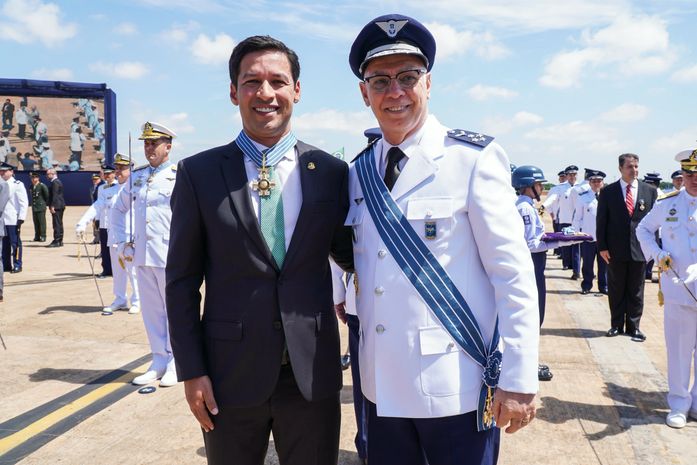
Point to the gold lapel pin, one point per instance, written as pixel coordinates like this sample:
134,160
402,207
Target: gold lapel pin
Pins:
311,166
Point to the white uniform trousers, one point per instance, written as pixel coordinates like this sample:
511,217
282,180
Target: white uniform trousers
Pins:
152,293
121,279
680,327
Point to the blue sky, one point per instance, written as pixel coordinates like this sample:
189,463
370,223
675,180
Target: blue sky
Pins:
555,82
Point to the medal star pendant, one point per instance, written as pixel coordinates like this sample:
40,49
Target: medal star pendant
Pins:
263,184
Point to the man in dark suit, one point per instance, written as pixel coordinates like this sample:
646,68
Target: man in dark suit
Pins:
621,206
39,199
56,205
257,220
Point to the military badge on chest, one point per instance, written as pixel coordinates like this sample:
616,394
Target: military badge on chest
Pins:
430,230
642,205
263,184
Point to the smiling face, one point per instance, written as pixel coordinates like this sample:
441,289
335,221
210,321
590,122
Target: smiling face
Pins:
265,93
400,112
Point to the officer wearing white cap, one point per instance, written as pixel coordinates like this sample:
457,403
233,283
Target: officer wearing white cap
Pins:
551,203
147,197
14,214
99,211
428,317
676,215
584,221
570,256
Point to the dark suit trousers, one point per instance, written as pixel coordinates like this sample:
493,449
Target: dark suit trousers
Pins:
539,260
625,281
57,219
450,440
304,433
360,403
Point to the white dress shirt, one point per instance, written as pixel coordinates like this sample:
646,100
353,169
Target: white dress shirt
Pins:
291,189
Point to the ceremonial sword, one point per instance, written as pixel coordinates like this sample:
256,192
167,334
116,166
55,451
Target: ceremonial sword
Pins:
670,264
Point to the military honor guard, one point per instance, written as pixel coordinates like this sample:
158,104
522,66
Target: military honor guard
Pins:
146,198
39,202
4,199
676,215
584,221
570,256
551,204
438,260
621,206
677,180
99,211
14,214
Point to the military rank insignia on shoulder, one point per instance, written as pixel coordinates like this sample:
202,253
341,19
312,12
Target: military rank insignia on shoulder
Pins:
667,196
370,144
473,138
584,192
138,168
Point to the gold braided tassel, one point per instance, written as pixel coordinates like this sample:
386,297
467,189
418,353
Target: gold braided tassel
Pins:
661,300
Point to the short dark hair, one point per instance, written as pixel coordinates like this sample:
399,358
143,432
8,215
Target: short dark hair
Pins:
625,156
258,43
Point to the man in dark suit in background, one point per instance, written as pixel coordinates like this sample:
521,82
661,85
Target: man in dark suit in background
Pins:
56,205
621,206
257,220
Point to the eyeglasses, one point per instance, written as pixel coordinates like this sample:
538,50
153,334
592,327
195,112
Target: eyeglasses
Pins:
406,79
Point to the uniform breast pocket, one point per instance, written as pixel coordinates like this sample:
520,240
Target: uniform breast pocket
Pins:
355,220
442,364
431,217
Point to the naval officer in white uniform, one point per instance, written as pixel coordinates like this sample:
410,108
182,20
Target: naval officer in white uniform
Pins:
148,195
676,215
431,189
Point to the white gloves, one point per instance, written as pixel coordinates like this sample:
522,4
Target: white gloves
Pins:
691,274
80,232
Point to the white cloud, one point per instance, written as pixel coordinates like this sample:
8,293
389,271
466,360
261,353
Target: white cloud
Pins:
179,33
124,69
685,75
589,137
630,46
212,51
625,113
524,16
25,21
453,43
481,92
334,120
668,146
177,122
56,74
500,125
125,29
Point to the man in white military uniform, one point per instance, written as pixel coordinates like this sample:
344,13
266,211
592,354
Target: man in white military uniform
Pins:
551,204
584,221
112,234
99,210
431,289
13,216
148,195
677,181
676,215
571,256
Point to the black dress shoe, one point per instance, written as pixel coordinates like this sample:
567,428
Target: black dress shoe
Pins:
345,361
585,291
612,332
603,291
543,374
16,269
637,336
575,276
54,244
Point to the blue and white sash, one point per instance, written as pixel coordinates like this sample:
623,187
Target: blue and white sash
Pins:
273,154
431,281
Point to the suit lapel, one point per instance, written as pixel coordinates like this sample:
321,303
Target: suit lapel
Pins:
305,156
235,177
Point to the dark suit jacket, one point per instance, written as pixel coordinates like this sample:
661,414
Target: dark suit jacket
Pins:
55,195
616,231
251,307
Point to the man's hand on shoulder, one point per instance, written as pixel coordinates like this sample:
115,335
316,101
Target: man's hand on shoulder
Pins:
513,409
199,395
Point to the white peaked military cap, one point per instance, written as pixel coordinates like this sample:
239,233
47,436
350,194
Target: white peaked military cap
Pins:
152,130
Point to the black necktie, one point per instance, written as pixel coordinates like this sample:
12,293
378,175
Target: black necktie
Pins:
392,172
596,196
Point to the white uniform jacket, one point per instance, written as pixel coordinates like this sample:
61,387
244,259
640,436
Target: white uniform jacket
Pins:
99,210
586,213
551,203
566,207
119,228
677,217
410,366
150,192
16,207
